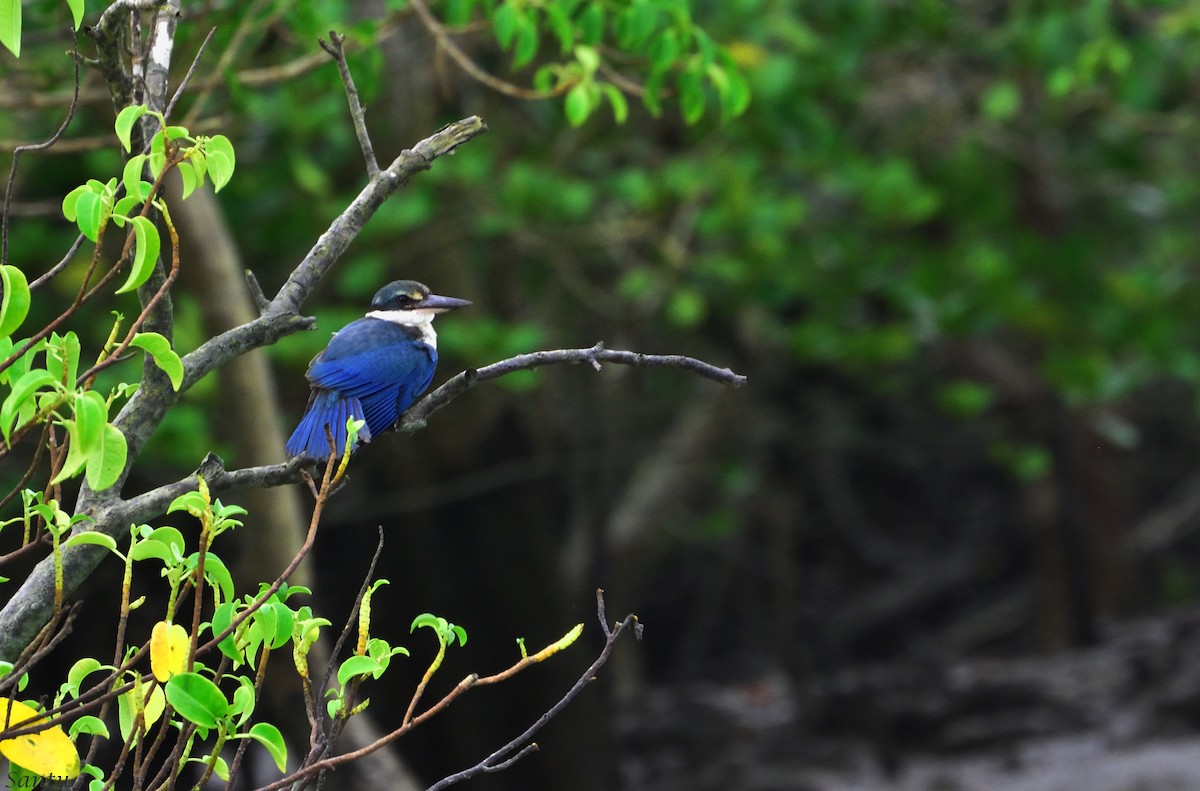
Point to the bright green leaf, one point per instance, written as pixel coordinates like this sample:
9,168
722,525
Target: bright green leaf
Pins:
14,305
89,211
85,432
10,25
591,23
187,173
131,177
107,461
221,161
159,348
76,7
125,121
357,666
145,255
94,538
196,699
79,671
588,57
578,104
269,736
22,392
620,107
504,24
527,43
89,724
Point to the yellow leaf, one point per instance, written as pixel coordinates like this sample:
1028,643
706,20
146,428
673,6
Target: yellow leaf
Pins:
155,706
135,699
48,753
168,650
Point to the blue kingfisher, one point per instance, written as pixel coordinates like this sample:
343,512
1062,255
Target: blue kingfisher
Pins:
373,369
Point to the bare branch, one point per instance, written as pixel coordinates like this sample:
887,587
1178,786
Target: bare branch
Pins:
417,416
357,113
16,155
187,78
442,36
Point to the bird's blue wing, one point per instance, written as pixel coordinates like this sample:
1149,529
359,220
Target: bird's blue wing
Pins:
381,364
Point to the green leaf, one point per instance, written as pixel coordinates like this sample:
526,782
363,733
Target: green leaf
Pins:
736,99
76,7
91,415
222,617
22,392
560,24
591,23
620,107
504,24
64,350
159,348
192,502
284,619
125,121
79,671
89,211
131,177
187,173
578,103
527,43
145,255
357,666
269,736
70,202
219,765
217,574
94,538
85,431
197,699
10,25
457,12
14,305
588,57
691,97
88,724
218,152
158,155
106,461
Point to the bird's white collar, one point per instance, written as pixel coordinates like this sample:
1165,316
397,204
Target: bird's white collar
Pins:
422,320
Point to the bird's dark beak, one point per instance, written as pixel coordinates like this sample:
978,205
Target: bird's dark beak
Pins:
441,304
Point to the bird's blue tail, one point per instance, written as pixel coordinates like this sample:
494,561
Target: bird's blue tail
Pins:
326,408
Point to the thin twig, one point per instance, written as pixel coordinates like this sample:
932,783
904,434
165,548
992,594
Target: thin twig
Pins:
439,32
16,155
187,78
357,113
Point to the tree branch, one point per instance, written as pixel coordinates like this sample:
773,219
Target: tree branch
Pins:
416,417
357,113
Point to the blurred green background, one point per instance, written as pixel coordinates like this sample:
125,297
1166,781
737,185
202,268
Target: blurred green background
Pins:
951,244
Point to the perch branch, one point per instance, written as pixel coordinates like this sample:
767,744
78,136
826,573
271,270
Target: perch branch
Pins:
417,416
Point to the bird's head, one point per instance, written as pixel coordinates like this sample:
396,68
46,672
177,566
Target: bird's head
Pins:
410,302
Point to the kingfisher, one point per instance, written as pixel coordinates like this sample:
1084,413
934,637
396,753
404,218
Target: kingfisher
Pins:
373,369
